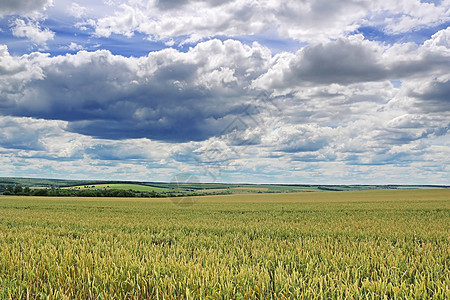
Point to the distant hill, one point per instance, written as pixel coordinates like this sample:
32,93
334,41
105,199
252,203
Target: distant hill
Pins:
203,188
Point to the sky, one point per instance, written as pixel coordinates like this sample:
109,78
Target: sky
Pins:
256,91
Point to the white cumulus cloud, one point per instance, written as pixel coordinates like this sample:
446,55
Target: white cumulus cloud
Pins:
31,30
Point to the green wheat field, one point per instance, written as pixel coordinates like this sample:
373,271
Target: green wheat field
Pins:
316,245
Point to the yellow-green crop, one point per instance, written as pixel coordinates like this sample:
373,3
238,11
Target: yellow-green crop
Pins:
329,245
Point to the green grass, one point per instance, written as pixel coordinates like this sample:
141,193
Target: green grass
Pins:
119,186
361,245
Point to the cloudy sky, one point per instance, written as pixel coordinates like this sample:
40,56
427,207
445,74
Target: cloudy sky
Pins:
269,91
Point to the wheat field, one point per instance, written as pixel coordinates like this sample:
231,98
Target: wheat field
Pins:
324,245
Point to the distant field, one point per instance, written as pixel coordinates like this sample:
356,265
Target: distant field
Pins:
252,188
197,187
164,188
327,245
118,186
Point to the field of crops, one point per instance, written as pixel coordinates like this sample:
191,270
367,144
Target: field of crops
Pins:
366,244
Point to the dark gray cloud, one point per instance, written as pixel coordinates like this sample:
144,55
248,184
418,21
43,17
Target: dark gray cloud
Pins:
352,60
343,61
182,126
435,97
337,62
169,95
22,6
179,4
425,64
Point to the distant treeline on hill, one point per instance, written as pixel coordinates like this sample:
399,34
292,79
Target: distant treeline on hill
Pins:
26,191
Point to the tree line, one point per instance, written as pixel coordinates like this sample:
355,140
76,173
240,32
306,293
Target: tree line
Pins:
52,192
26,191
